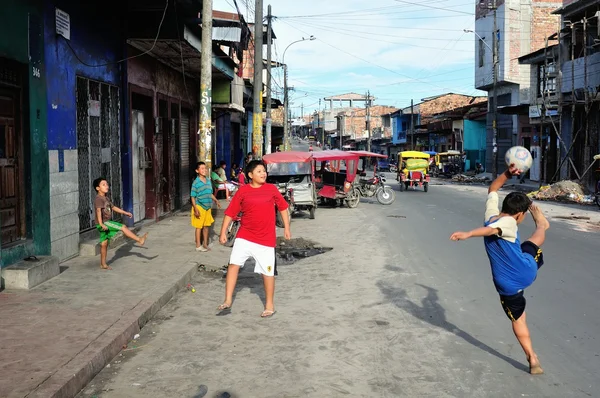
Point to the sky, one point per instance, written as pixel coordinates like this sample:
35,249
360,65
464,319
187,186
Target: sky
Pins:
397,50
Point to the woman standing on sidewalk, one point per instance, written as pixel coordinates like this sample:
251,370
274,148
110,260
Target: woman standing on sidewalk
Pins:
256,237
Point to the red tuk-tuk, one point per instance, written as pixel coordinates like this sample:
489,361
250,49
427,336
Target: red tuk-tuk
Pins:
293,173
336,176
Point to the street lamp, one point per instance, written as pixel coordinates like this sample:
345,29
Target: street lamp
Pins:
286,133
495,94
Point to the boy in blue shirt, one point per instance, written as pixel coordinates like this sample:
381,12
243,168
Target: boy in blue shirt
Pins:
514,264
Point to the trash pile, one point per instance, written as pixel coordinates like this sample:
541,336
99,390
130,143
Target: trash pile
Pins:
563,191
470,179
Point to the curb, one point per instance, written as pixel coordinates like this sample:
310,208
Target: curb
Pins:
74,375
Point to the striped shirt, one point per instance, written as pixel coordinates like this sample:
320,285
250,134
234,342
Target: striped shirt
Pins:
202,192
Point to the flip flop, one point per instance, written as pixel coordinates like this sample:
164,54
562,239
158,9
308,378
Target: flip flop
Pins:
267,313
224,307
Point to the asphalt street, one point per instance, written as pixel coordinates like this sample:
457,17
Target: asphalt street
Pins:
394,310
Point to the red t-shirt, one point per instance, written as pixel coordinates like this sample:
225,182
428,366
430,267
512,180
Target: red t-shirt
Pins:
257,206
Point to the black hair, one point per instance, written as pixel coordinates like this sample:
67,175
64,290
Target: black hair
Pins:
515,202
222,163
252,166
199,164
97,182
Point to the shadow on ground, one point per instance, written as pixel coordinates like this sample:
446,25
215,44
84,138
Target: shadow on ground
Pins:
125,251
432,312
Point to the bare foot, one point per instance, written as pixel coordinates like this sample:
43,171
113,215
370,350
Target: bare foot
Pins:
534,366
105,267
538,217
143,239
207,248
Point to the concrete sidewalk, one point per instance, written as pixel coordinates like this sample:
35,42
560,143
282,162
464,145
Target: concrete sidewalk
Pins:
60,334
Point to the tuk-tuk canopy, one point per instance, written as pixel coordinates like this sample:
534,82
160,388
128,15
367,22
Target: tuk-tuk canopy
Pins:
450,153
431,153
333,154
288,157
368,154
414,155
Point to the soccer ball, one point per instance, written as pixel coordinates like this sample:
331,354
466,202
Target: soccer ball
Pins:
520,157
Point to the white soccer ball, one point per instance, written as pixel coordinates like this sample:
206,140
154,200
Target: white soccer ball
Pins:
520,157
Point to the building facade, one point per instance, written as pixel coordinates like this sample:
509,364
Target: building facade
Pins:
522,27
24,166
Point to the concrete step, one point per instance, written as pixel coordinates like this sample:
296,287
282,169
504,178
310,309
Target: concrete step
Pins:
89,245
28,274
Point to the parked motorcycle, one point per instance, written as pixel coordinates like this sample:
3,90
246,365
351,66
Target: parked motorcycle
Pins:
376,187
288,195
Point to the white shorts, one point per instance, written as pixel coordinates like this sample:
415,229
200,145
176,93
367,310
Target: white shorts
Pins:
230,187
264,256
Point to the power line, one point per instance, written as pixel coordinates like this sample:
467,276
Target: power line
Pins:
128,58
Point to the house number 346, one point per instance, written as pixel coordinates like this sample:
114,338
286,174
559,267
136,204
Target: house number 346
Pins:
36,72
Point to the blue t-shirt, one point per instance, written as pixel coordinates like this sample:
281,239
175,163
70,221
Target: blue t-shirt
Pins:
202,192
512,270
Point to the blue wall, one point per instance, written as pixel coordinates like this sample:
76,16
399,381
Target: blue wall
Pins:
401,126
223,139
474,135
94,43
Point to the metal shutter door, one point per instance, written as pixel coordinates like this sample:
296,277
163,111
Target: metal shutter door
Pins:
184,154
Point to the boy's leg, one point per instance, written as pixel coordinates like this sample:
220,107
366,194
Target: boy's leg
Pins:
230,282
197,236
522,333
103,254
127,232
541,223
205,237
269,282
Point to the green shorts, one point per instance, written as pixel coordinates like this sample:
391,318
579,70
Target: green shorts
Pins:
113,229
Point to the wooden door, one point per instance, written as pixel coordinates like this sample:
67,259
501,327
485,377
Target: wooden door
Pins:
12,198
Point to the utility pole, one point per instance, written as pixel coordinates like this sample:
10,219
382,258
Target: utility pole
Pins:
204,129
368,121
495,110
269,39
412,126
322,128
257,136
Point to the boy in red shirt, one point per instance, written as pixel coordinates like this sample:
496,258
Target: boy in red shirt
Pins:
256,237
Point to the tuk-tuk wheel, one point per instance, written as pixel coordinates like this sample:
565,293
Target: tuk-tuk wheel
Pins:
401,186
311,213
425,186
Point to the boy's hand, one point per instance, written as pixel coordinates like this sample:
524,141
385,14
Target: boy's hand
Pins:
460,236
196,212
513,171
287,234
223,238
218,204
104,227
128,214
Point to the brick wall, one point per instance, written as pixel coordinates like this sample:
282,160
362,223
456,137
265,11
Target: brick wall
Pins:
356,120
543,25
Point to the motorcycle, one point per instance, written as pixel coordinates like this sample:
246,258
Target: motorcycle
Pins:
288,195
376,187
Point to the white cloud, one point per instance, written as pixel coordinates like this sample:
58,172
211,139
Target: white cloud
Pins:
374,47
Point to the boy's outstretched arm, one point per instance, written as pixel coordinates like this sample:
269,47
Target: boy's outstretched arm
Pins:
499,182
478,232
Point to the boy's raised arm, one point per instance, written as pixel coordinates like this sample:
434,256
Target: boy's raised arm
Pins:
478,232
499,182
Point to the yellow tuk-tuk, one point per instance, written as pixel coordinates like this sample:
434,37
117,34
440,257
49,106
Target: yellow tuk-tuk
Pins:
449,163
413,170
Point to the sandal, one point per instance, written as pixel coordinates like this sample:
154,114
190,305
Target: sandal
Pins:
224,307
267,313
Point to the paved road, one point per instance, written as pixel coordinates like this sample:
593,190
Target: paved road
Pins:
394,310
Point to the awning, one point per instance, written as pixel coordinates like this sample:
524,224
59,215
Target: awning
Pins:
288,157
522,109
